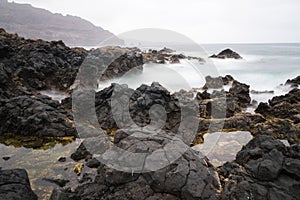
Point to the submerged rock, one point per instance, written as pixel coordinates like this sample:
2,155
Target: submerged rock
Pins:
262,92
14,184
227,53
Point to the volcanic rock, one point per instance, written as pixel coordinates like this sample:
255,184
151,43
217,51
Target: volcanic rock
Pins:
227,53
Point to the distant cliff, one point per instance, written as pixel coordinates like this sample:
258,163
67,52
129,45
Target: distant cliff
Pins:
32,22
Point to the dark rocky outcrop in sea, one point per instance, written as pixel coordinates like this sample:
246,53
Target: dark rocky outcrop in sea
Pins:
165,56
217,105
293,82
34,22
227,53
27,66
124,60
283,114
14,184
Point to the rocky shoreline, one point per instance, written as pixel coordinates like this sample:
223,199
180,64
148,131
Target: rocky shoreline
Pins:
265,168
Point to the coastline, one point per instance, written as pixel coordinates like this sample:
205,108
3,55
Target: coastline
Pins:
26,112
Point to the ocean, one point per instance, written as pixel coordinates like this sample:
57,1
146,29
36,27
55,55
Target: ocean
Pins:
263,67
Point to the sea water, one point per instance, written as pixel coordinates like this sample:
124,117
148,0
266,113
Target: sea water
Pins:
263,67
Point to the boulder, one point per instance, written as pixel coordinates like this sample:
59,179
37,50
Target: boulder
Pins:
260,171
241,92
227,53
35,116
14,184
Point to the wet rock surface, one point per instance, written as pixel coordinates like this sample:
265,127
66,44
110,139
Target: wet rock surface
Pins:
227,53
14,184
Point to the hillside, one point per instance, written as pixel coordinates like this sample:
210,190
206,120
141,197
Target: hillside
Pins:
32,22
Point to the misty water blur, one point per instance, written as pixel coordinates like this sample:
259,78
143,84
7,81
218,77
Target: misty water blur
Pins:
264,67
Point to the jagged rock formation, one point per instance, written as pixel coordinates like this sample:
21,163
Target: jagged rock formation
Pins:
293,82
283,113
166,55
189,177
35,116
264,169
39,23
227,53
29,65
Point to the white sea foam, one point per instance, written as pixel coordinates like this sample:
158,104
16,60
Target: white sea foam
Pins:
264,67
54,94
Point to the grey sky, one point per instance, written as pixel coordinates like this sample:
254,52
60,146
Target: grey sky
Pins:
205,21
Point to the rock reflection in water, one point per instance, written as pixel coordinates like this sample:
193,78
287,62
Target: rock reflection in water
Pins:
41,164
221,147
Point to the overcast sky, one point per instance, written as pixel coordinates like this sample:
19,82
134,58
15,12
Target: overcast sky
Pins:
205,21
